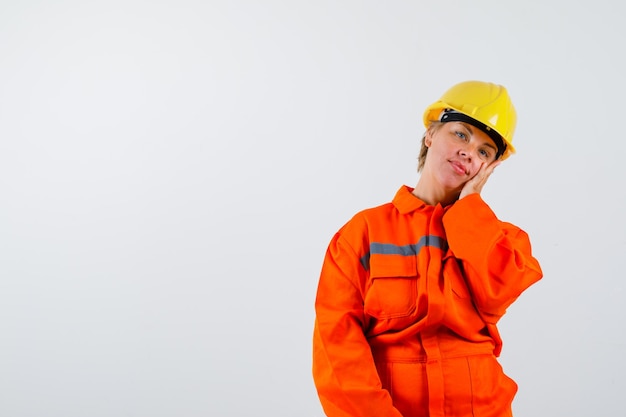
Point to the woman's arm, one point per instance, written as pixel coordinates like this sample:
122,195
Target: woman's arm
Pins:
343,367
497,258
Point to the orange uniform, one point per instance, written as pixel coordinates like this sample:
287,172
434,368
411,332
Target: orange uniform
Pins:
406,310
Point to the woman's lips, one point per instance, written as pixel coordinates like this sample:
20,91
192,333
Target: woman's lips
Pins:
459,168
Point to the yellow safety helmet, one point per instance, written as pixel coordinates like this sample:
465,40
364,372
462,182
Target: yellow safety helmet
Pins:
486,103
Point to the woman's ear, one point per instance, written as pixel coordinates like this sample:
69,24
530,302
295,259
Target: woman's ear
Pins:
428,137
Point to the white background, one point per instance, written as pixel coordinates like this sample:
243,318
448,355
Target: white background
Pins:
172,171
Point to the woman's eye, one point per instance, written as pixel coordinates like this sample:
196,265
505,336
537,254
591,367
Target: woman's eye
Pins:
484,153
461,135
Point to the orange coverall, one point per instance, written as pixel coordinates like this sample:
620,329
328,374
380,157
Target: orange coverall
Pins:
406,310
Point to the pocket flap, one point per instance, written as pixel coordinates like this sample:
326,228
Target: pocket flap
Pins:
392,266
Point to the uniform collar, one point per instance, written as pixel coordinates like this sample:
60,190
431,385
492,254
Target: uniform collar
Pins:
406,202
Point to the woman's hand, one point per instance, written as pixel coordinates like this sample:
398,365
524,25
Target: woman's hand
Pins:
478,181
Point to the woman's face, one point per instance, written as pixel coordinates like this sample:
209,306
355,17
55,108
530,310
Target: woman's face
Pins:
456,151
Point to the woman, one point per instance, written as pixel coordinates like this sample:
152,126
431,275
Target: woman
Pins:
410,292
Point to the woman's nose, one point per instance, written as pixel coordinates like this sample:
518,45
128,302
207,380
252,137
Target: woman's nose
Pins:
469,151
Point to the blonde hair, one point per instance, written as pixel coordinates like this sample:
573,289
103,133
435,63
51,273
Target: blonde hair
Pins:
421,159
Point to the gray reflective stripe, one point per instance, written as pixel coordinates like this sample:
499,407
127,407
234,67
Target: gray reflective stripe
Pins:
405,250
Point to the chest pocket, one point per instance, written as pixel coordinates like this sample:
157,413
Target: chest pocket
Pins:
393,287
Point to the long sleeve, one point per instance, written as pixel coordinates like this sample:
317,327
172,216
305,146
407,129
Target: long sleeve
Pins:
496,256
343,367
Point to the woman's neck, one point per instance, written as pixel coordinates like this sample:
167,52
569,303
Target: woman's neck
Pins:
433,194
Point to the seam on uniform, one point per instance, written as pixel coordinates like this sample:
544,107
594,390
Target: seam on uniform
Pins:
471,379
